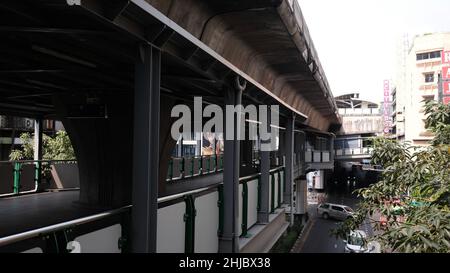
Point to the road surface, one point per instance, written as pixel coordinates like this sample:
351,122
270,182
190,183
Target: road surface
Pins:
317,238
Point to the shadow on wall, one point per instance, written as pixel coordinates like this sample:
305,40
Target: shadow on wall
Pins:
64,176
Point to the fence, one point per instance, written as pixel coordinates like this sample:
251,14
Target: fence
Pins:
21,177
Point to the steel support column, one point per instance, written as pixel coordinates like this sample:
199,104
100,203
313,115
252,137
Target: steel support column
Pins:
146,149
229,242
289,166
264,188
332,151
38,132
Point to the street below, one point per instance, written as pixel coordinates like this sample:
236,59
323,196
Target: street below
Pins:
317,237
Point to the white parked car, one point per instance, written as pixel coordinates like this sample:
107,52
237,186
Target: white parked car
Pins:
355,243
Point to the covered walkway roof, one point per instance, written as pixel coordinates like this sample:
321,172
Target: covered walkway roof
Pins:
78,46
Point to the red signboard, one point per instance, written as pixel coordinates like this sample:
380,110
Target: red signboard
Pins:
445,72
446,100
446,57
446,89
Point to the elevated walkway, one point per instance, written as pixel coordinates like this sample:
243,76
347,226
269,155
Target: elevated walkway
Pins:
28,212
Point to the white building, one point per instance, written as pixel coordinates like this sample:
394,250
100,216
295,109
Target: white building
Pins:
416,81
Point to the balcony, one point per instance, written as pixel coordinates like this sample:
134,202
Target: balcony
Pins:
353,153
359,112
318,160
317,157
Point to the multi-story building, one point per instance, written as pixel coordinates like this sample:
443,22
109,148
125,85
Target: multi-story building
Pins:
416,82
361,121
398,117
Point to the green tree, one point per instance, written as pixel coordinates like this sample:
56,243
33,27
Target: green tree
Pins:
56,148
59,147
413,192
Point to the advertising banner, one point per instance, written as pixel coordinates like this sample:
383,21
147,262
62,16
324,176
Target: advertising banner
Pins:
387,118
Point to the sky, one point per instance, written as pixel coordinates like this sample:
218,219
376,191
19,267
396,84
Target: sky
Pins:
357,40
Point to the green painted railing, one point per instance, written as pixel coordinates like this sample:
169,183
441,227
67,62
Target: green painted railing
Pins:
17,172
244,209
185,167
191,212
279,189
189,219
14,181
272,193
220,204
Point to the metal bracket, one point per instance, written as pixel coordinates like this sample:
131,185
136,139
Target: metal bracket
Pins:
240,86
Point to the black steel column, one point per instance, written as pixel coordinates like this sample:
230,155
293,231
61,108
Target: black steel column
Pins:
146,149
38,132
229,242
264,188
332,151
289,167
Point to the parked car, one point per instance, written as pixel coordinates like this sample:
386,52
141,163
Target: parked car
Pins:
339,212
356,243
396,209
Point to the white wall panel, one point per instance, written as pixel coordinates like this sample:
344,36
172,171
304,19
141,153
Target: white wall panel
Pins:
171,229
275,196
105,240
252,216
207,223
34,250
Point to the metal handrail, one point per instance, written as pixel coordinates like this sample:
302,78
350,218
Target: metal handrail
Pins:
179,195
249,177
40,231
276,169
35,161
241,179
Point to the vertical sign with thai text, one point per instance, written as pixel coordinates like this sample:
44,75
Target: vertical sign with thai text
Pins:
387,118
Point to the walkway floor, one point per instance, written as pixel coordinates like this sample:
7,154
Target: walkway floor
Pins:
28,212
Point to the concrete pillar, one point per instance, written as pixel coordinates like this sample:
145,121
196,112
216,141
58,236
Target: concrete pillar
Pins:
229,242
301,203
146,149
289,166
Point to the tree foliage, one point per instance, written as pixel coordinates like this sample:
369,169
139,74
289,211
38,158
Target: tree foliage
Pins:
53,148
413,194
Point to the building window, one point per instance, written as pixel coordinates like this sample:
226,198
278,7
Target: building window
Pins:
435,54
428,55
429,77
428,98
